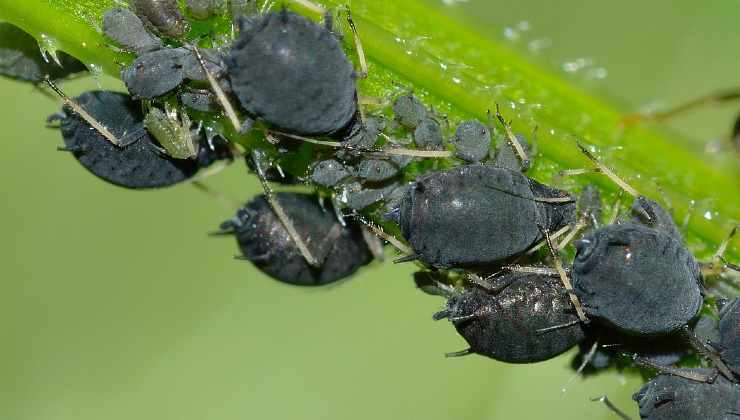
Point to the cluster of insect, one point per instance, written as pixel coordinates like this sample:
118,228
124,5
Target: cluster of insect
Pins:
456,201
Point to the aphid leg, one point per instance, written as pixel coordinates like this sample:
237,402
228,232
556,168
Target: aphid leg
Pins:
491,284
279,212
580,224
718,265
543,271
459,353
395,242
513,141
557,327
604,399
70,149
709,99
682,373
573,172
707,351
615,209
560,232
437,316
564,277
358,45
84,114
608,172
587,358
220,95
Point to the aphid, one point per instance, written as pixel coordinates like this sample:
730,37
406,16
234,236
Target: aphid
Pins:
513,325
638,278
172,132
203,9
21,58
378,170
155,73
472,141
329,173
199,100
163,16
669,397
729,331
139,164
357,196
589,206
340,250
506,157
364,138
478,215
293,74
409,111
123,26
428,135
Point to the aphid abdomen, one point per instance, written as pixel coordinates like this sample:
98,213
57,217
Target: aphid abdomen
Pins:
729,326
637,279
507,326
474,215
293,74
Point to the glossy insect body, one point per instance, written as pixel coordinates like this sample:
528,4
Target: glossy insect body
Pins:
138,163
172,133
293,74
162,15
478,215
729,331
340,250
637,279
669,397
507,326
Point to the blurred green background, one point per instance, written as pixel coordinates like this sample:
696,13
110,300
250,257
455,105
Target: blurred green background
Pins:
115,304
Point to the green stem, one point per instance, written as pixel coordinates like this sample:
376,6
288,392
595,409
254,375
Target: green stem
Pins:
463,74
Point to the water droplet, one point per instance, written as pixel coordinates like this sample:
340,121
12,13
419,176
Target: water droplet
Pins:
511,34
537,45
708,215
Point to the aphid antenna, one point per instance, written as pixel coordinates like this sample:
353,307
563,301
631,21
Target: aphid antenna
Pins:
558,233
587,358
713,98
220,95
687,217
546,330
707,351
608,172
543,271
574,172
615,208
604,399
564,277
720,253
377,230
280,213
460,353
513,141
372,151
580,224
100,128
681,373
358,45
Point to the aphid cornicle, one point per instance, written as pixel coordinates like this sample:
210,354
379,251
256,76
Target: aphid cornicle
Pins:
340,250
292,74
508,325
669,397
21,59
478,215
137,163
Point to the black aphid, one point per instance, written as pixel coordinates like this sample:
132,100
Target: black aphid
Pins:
514,324
339,250
293,74
669,397
123,26
163,16
428,135
138,162
329,173
472,141
638,279
21,59
729,331
409,111
478,215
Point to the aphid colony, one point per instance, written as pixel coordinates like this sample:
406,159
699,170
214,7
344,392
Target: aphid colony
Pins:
473,222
